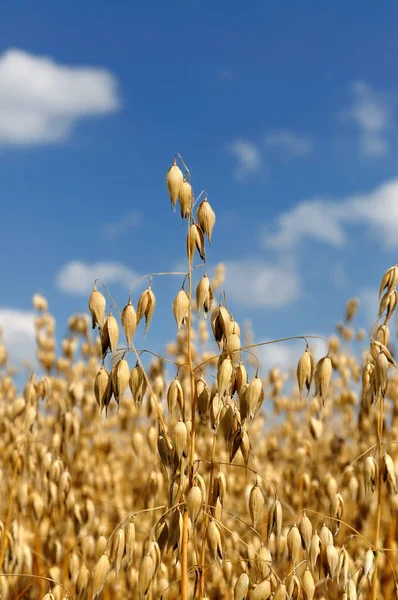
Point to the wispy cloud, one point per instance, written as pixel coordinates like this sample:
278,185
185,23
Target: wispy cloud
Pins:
326,220
18,333
130,221
371,113
257,284
288,143
40,100
248,158
77,277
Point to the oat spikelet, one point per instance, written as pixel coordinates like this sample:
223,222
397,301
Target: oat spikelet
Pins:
241,377
220,323
174,179
262,591
40,303
241,587
308,585
315,550
180,439
388,304
351,590
383,334
180,308
332,560
204,295
336,511
224,376
281,592
206,218
145,576
294,544
316,428
322,376
185,198
102,388
100,573
274,523
175,395
145,307
214,542
137,384
129,530
388,473
343,566
370,475
264,561
120,379
111,332
117,548
194,503
254,396
305,370
203,395
256,504
351,309
294,587
368,564
129,321
195,239
96,305
389,280
305,528
376,347
381,374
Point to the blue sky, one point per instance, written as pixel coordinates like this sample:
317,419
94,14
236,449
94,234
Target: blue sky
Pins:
286,113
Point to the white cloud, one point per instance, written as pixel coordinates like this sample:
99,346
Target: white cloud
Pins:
372,115
77,277
18,333
288,143
40,100
257,284
248,156
325,220
115,229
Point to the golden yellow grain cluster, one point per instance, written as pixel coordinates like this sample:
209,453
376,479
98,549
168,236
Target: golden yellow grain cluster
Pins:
198,474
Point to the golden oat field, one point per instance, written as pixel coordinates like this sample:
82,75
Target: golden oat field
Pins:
198,473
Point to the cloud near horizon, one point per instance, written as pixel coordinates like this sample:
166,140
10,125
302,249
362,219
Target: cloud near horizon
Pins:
18,333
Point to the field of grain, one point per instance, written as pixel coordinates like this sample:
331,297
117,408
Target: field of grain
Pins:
198,474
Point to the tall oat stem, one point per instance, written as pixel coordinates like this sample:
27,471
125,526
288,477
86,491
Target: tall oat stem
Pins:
184,549
206,523
379,494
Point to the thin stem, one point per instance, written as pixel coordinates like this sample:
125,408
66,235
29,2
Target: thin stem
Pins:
286,339
206,523
199,197
178,155
184,544
379,493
